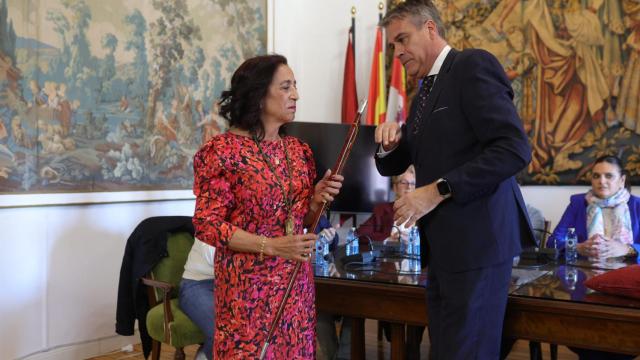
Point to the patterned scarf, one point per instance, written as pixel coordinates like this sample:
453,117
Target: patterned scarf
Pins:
610,217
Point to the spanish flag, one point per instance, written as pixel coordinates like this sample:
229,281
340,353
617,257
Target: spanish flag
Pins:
377,109
397,93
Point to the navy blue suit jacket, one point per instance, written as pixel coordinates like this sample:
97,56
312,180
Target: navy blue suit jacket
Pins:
472,136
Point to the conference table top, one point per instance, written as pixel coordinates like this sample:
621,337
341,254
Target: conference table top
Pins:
547,302
553,280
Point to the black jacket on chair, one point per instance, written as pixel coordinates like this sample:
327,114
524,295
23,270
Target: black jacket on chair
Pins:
146,246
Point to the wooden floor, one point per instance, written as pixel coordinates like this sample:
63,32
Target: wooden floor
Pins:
375,350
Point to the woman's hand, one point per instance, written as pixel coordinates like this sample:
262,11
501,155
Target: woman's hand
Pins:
616,249
599,247
293,247
327,188
589,248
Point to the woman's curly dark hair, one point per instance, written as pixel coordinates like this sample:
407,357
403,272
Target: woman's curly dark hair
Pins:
249,85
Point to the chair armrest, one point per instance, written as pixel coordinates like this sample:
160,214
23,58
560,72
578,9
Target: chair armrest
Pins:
165,286
166,302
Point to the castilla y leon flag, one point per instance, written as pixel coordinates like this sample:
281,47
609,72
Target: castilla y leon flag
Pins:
397,109
376,111
349,94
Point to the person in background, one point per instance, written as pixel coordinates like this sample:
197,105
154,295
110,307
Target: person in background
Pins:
607,223
196,293
537,222
606,218
379,226
331,345
255,193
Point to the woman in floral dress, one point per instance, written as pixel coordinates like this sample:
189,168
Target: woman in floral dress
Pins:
254,195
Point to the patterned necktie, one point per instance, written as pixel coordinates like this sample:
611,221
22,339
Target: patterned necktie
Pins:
423,94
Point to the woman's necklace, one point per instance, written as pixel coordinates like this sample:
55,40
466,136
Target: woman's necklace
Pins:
288,201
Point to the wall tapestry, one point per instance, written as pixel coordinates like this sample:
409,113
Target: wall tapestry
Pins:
115,95
575,71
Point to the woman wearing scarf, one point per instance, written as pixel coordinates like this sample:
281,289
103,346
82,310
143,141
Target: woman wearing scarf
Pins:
607,222
606,218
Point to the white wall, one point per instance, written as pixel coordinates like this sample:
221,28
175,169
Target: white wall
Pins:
59,269
551,200
59,265
313,37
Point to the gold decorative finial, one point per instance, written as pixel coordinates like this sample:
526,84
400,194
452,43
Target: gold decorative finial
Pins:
380,6
353,11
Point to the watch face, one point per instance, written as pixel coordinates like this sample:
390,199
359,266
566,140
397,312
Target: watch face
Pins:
443,187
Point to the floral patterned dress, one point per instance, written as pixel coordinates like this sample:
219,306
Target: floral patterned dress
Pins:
235,189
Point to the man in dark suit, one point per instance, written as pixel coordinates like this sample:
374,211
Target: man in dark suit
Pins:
466,141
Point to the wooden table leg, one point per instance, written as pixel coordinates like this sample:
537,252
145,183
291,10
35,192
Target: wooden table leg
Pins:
357,339
397,341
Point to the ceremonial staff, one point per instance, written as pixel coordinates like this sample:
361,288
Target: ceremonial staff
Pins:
337,170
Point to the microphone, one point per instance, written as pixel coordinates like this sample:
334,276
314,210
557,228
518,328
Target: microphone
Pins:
541,255
367,257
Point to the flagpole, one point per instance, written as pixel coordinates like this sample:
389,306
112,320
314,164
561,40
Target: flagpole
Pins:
380,11
353,32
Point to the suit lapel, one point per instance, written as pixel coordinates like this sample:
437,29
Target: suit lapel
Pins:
440,83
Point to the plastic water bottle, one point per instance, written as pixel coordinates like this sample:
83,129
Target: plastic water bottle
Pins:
414,246
415,265
403,246
353,246
414,242
570,247
322,249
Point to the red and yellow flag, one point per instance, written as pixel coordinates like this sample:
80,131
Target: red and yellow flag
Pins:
377,108
397,93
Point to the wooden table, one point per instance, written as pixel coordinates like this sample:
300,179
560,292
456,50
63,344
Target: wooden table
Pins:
547,309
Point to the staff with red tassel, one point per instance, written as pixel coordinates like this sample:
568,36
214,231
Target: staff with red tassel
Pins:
337,170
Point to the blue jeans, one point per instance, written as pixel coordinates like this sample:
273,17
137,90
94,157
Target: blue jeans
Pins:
196,300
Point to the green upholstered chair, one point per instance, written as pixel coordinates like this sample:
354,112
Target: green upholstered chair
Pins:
166,323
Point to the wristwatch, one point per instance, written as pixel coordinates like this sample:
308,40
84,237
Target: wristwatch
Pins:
443,187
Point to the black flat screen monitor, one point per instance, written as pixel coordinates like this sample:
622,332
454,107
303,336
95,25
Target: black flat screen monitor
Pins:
363,186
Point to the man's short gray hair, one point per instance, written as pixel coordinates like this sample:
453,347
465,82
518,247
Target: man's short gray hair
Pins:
418,12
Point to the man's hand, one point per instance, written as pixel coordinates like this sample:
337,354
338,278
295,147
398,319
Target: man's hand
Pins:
416,204
388,134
